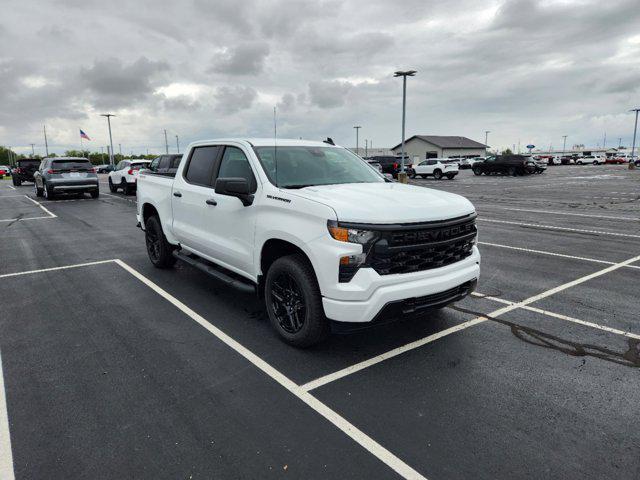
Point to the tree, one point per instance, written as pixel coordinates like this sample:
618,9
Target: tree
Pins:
76,153
507,152
7,157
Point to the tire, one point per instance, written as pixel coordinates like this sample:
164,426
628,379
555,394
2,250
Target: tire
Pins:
39,191
48,193
511,171
450,176
477,171
95,193
595,162
159,250
123,186
291,286
579,162
437,174
112,187
413,175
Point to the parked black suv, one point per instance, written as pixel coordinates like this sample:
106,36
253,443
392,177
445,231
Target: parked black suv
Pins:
506,164
25,168
392,165
165,164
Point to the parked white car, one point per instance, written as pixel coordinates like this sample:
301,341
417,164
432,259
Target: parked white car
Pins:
470,162
318,234
436,168
590,159
125,175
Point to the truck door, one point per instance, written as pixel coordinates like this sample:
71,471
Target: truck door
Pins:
230,224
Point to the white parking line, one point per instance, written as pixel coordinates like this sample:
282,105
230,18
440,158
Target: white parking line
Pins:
50,215
52,269
553,227
551,212
340,422
561,317
481,319
6,457
41,206
553,254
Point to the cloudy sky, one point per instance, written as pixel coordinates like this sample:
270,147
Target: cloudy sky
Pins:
528,71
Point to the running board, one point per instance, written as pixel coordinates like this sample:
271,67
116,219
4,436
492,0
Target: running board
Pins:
216,273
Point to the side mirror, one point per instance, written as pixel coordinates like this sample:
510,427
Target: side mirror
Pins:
235,187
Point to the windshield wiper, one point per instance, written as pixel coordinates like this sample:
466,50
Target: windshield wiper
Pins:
297,186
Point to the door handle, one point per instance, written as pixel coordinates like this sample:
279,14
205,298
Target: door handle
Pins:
177,194
211,201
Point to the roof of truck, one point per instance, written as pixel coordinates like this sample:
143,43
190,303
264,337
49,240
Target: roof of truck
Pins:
269,142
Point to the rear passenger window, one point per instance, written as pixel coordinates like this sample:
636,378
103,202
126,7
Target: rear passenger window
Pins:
200,166
234,163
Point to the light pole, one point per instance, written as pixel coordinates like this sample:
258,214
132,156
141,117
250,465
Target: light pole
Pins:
632,164
486,137
177,145
33,152
166,144
109,115
357,127
366,147
46,144
402,176
564,146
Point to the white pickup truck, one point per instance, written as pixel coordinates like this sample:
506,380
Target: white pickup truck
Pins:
311,228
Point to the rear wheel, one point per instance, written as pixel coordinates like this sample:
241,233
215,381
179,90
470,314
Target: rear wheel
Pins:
294,303
450,176
17,182
95,193
477,171
579,162
159,250
595,162
112,187
48,192
412,175
511,171
437,174
38,190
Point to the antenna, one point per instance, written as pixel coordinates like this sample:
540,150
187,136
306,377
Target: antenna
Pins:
275,144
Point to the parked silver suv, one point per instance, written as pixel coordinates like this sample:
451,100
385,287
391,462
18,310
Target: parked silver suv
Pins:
65,175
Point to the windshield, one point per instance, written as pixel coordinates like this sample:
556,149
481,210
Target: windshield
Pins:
299,167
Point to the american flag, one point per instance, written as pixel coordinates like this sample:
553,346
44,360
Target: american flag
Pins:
84,135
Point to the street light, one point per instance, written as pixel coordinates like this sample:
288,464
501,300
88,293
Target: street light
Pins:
177,145
632,164
109,115
564,146
402,176
357,127
486,137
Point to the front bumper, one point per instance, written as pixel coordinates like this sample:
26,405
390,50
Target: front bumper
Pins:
389,289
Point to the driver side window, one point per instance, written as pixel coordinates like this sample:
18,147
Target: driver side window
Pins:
234,163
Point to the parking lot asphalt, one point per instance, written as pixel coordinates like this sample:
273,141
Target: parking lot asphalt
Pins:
110,368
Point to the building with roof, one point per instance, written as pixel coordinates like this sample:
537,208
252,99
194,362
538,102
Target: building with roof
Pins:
420,147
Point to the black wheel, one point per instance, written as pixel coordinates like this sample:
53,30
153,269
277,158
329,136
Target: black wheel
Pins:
124,187
95,193
17,182
595,162
159,250
38,190
579,162
412,174
437,174
48,192
112,187
511,171
293,301
450,176
477,171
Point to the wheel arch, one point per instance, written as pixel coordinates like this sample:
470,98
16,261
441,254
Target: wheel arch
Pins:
275,248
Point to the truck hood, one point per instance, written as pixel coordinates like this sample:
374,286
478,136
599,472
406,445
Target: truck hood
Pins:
387,202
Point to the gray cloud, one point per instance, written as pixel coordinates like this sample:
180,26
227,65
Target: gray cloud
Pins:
231,100
328,94
244,59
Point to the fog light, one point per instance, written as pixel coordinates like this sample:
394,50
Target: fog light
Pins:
353,260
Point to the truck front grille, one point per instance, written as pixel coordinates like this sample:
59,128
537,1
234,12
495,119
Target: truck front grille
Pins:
418,247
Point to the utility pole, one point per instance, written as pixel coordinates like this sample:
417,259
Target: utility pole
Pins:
177,144
120,148
486,137
46,144
357,127
632,164
402,176
166,144
366,147
619,143
109,150
564,146
33,152
604,142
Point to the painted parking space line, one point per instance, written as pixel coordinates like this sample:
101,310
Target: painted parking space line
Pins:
554,227
561,317
572,214
6,457
318,382
340,422
20,219
53,269
553,254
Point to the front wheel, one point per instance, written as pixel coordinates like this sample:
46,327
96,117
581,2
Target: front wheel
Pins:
450,176
293,301
159,250
511,171
595,162
48,192
112,187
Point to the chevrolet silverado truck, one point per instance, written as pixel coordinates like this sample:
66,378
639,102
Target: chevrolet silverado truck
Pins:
313,230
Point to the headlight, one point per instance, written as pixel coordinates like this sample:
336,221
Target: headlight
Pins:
350,235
